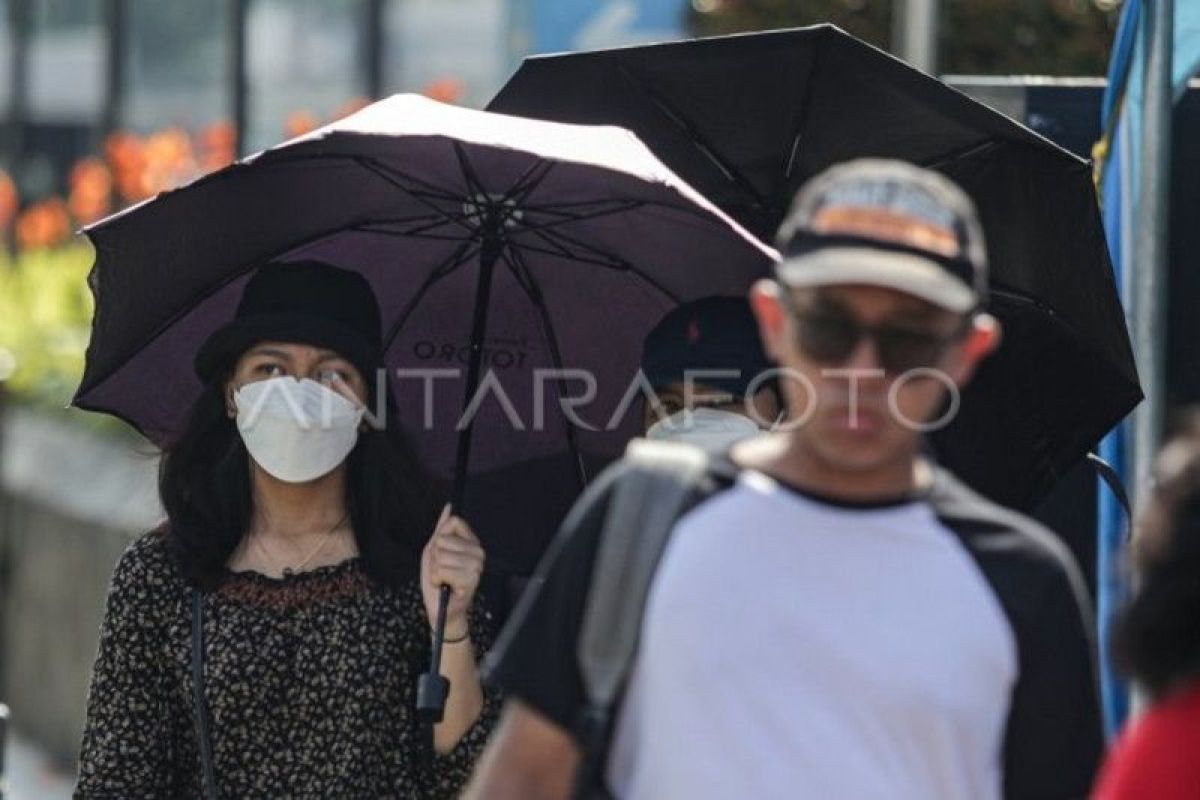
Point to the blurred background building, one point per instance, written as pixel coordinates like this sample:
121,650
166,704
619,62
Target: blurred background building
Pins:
253,71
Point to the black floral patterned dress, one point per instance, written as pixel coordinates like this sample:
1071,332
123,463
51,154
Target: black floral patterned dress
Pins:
310,681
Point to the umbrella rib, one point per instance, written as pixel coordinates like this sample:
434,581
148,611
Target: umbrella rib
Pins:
573,257
391,175
790,167
394,178
707,150
521,276
558,250
563,238
615,264
684,208
802,112
963,152
473,183
520,269
556,208
1030,300
377,226
406,234
567,220
433,220
456,259
518,192
403,220
563,210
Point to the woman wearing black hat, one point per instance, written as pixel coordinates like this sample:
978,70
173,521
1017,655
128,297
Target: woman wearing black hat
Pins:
267,638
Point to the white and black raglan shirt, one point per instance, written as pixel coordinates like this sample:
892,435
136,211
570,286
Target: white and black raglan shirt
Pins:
793,646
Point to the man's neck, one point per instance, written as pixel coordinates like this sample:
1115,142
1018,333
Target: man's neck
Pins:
787,459
299,510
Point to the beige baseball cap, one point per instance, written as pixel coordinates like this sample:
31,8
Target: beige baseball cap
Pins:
886,223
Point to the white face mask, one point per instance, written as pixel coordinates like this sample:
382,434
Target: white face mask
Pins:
709,428
296,430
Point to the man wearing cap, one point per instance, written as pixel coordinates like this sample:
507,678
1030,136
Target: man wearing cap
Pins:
711,379
841,619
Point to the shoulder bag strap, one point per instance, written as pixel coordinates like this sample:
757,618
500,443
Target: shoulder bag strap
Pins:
201,707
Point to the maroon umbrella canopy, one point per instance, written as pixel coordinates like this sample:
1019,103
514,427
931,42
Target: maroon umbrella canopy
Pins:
593,241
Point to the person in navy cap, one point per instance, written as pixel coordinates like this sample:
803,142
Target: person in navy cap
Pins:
712,381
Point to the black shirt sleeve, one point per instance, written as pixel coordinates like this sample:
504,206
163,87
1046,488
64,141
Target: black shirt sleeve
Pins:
535,655
1054,739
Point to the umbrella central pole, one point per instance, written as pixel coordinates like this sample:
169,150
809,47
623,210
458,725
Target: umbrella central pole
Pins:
489,254
432,687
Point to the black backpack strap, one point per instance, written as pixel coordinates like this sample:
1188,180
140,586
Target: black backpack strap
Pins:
209,777
661,482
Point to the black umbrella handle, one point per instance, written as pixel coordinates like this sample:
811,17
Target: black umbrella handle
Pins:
432,686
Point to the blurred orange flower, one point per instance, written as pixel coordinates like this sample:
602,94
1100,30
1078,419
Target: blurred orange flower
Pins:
8,200
169,161
91,190
127,158
351,107
218,146
299,123
139,167
444,90
43,224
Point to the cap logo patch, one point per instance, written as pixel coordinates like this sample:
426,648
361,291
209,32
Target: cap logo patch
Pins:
887,225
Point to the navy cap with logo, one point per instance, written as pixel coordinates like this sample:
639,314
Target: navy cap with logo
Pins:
886,223
706,336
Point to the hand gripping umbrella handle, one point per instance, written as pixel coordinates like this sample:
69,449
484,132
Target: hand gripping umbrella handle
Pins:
433,687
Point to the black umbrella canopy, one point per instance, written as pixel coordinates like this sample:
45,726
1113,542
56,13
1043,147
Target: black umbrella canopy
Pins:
747,119
595,241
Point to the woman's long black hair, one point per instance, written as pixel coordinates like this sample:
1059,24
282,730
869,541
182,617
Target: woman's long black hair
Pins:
1157,638
205,488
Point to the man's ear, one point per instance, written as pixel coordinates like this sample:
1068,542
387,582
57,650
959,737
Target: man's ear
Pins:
981,340
767,303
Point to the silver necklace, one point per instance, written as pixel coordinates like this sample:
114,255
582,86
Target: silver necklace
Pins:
288,572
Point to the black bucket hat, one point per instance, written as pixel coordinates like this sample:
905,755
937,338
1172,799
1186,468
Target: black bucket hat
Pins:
307,302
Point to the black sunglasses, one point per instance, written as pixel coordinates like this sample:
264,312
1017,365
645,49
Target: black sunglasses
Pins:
830,337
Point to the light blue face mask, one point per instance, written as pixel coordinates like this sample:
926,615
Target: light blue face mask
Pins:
710,428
